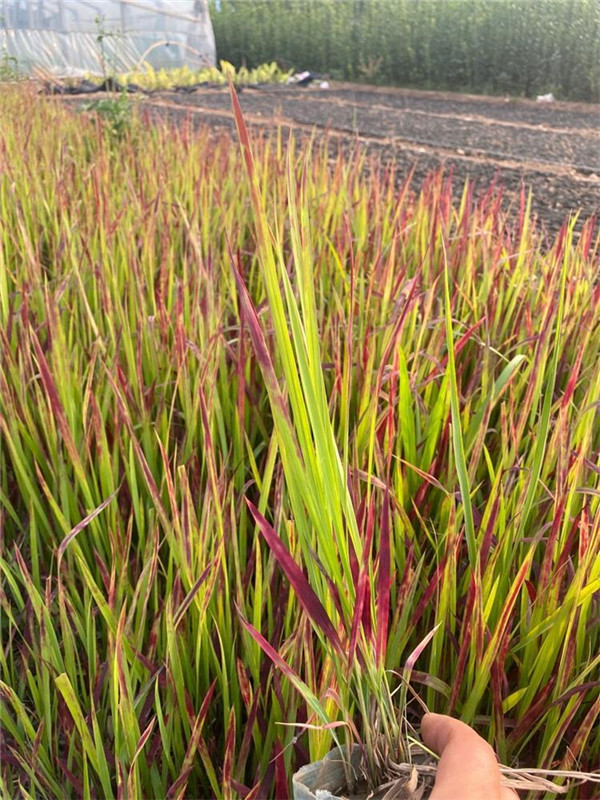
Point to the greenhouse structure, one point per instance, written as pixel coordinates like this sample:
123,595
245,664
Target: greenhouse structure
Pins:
74,38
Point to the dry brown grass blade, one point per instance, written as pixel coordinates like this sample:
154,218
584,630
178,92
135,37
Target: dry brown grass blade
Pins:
531,780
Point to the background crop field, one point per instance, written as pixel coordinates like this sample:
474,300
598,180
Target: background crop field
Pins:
487,46
404,384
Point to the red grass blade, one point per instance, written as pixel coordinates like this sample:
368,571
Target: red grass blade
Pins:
258,341
143,739
305,594
576,748
573,378
363,584
270,651
228,761
178,788
411,660
281,781
441,367
187,601
81,525
384,582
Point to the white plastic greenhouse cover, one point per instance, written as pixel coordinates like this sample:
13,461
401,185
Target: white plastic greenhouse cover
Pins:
100,37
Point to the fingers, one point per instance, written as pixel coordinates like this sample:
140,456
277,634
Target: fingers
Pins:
468,768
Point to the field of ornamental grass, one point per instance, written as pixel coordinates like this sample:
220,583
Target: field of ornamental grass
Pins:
279,432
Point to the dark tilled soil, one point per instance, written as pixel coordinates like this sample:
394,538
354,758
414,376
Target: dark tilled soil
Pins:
554,148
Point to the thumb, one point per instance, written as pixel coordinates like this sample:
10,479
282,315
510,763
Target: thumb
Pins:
468,768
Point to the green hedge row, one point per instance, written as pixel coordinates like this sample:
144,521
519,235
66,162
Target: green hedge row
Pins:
518,47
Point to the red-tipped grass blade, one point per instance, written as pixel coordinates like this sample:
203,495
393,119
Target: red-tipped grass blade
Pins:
384,582
305,594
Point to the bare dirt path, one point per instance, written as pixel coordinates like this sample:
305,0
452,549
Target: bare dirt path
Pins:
554,148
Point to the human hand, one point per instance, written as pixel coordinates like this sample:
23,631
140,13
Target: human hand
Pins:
468,768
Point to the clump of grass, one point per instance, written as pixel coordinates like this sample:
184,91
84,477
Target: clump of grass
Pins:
212,387
149,78
323,511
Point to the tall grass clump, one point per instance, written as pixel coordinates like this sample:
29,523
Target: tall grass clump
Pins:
271,446
507,46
